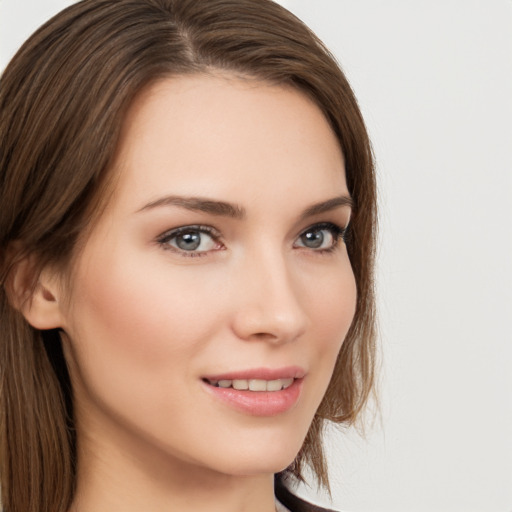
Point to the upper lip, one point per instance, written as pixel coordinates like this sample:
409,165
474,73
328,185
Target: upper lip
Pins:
288,372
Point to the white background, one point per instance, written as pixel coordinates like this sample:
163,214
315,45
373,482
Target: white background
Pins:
434,80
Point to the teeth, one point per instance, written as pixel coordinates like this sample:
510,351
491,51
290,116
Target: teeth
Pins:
254,384
240,384
287,383
257,385
275,385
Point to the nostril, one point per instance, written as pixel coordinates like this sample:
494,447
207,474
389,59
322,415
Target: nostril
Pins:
264,335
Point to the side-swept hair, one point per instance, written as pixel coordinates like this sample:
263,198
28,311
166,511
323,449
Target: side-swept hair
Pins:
63,98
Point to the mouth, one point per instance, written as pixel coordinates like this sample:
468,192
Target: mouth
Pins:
258,385
258,392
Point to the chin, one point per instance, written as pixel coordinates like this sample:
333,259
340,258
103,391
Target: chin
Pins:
259,457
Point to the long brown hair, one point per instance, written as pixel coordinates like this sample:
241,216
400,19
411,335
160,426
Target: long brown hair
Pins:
63,98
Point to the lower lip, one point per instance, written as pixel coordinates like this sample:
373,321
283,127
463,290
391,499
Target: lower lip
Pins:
259,403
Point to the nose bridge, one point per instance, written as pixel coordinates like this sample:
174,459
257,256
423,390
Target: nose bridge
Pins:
269,305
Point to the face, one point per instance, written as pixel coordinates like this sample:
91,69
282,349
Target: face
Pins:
219,264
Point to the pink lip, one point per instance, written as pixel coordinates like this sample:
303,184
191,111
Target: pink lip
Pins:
288,372
259,403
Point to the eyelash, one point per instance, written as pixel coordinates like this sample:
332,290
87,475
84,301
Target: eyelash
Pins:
338,233
166,237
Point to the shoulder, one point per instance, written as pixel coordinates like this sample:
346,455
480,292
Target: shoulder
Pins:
294,503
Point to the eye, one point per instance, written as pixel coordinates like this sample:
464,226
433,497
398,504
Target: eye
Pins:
191,240
321,237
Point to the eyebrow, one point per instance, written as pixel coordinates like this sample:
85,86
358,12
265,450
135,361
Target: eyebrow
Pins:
327,206
199,204
224,209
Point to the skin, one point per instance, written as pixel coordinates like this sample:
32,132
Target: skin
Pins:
144,321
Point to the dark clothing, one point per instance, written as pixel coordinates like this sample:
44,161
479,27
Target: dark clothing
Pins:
292,502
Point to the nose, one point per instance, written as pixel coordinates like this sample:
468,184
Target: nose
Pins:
268,305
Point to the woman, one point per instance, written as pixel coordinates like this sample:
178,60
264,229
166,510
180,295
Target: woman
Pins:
187,237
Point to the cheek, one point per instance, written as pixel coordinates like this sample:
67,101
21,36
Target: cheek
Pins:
332,307
139,308
135,333
136,330
332,311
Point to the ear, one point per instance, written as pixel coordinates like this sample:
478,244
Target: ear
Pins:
35,296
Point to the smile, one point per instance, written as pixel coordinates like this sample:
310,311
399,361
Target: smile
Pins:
257,392
253,384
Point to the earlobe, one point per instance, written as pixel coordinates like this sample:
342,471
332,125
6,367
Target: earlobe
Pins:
36,297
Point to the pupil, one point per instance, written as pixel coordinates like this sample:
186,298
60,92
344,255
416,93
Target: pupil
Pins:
188,241
313,239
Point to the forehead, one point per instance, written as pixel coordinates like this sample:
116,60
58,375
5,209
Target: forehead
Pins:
226,136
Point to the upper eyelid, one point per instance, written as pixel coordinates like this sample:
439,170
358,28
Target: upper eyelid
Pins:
325,225
209,230
333,226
